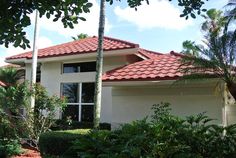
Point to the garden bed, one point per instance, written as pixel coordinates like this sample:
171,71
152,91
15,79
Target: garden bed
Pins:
29,153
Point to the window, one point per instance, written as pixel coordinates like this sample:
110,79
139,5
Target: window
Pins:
80,97
79,67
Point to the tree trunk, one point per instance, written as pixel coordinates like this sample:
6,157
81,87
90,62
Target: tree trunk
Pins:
99,65
232,89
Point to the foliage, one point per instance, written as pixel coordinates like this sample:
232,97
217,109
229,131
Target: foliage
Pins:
57,142
10,75
28,126
80,36
15,16
14,97
11,100
231,13
165,136
42,117
214,22
9,148
217,56
189,48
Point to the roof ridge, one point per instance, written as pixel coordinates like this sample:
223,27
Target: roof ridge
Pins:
176,53
150,51
124,41
61,44
90,45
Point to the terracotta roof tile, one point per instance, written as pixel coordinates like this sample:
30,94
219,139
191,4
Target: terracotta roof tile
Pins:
149,54
88,45
161,67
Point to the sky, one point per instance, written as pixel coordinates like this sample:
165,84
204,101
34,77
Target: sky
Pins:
155,27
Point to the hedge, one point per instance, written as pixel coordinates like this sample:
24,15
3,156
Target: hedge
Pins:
63,125
57,142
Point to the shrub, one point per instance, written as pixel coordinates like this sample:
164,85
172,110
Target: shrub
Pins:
42,117
165,136
57,142
9,148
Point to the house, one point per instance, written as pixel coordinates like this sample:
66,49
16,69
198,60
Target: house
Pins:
133,80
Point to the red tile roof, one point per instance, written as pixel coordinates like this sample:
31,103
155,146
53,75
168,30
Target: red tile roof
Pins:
148,54
88,45
161,67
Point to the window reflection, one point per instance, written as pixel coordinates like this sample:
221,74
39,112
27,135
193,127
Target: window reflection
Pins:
73,91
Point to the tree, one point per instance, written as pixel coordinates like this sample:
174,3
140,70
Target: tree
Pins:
189,48
80,36
214,22
218,57
231,14
99,65
11,75
15,15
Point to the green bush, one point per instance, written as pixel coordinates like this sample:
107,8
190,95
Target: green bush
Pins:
9,148
164,136
57,142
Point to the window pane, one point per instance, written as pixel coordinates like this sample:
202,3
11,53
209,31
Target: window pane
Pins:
70,68
88,67
87,92
87,113
71,92
79,67
71,111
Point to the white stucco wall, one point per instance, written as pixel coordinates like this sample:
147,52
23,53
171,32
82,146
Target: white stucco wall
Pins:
125,104
52,77
132,103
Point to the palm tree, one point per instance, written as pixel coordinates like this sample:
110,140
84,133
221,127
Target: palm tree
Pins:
218,58
98,79
11,75
189,48
80,36
231,14
214,22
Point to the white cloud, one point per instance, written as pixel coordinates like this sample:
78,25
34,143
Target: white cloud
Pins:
90,26
11,50
158,14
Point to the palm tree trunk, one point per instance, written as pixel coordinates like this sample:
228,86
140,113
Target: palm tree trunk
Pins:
99,65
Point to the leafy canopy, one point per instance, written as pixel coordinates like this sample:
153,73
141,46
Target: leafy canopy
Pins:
15,15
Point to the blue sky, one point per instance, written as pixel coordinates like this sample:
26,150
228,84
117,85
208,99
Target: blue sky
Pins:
157,26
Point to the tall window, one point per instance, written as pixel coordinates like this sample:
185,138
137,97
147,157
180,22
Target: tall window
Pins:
80,97
79,67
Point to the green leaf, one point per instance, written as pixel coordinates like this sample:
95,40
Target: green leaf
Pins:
82,18
48,15
193,15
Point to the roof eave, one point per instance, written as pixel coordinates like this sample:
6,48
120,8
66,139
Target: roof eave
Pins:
16,61
119,52
174,82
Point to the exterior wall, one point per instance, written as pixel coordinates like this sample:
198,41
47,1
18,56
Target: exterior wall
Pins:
52,77
132,103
